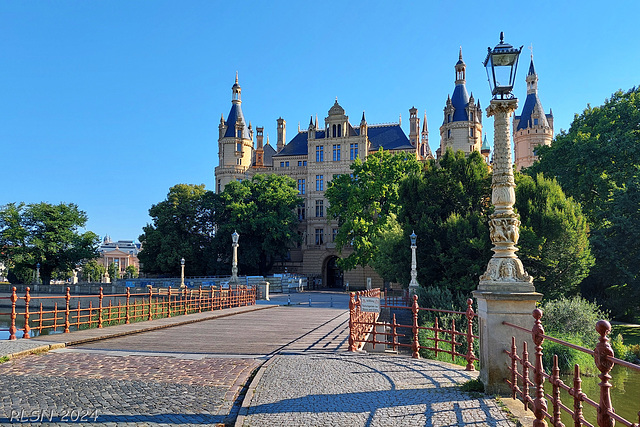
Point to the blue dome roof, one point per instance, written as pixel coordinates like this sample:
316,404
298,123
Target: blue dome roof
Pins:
460,100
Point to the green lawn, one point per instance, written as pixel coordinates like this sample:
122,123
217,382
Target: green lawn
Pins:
630,333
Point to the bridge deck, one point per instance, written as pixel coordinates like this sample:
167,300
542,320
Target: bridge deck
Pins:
194,374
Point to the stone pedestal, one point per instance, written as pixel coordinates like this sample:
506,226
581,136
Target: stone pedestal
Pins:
495,307
263,291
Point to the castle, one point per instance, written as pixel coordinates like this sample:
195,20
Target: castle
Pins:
313,156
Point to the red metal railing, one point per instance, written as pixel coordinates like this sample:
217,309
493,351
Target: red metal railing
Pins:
604,360
364,329
87,311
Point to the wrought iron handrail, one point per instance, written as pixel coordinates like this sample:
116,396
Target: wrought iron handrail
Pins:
604,359
155,303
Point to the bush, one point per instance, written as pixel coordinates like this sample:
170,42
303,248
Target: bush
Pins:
440,299
425,339
567,357
473,386
573,317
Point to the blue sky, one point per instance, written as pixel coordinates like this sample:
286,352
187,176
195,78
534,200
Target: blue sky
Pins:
108,104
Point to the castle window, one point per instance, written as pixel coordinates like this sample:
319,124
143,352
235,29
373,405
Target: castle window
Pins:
299,162
471,116
334,234
239,134
449,133
319,208
239,146
339,131
336,153
319,182
238,162
219,187
301,186
471,132
301,213
448,118
286,164
353,151
535,122
319,236
281,164
304,163
319,153
334,131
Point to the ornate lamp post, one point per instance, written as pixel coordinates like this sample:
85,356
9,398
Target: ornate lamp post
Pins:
116,273
413,285
182,273
37,273
234,266
505,291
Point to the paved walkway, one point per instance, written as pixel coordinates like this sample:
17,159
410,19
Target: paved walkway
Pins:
196,371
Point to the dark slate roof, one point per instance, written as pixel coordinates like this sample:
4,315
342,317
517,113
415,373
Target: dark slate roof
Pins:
460,100
236,111
532,69
267,158
389,137
527,110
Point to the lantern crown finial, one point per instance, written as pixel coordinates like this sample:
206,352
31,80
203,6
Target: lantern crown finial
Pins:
501,64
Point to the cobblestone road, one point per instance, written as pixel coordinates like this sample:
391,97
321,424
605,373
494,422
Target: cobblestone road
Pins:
365,390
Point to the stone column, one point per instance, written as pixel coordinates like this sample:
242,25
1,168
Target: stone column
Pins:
413,284
506,291
234,266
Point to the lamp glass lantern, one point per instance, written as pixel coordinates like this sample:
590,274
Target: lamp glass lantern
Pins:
413,238
182,261
234,237
501,64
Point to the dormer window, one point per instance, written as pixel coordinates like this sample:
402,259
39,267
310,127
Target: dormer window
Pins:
334,130
471,116
449,133
339,131
448,118
535,122
239,146
239,133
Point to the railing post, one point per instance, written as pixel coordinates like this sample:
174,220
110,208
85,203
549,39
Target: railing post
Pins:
601,355
470,315
200,299
416,344
514,368
577,397
525,375
555,379
453,340
540,403
393,332
436,328
150,302
12,328
352,313
100,297
126,310
184,299
67,310
169,303
27,298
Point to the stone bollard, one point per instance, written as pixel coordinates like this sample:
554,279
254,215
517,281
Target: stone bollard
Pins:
263,290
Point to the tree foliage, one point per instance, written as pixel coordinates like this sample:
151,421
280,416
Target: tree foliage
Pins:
92,271
262,211
597,162
182,227
46,234
554,242
364,201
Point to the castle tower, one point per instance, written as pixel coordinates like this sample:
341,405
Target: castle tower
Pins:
260,147
282,133
425,150
235,143
485,150
414,126
462,125
532,127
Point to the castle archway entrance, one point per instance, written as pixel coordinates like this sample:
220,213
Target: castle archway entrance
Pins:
333,274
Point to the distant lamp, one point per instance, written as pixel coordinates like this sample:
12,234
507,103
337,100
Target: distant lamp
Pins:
234,237
182,261
413,238
501,64
182,273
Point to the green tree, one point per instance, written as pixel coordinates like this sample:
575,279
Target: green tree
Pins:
554,242
182,227
92,271
597,162
45,234
447,206
114,274
131,272
364,201
262,211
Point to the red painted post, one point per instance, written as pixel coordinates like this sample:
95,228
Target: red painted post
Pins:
27,298
435,336
555,379
55,316
150,303
67,310
100,297
577,397
416,344
352,313
184,299
470,315
126,309
514,368
453,340
90,314
40,314
200,299
601,355
540,403
393,333
169,303
525,375
12,328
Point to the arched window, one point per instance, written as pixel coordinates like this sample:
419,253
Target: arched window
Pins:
334,131
449,118
339,131
449,133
